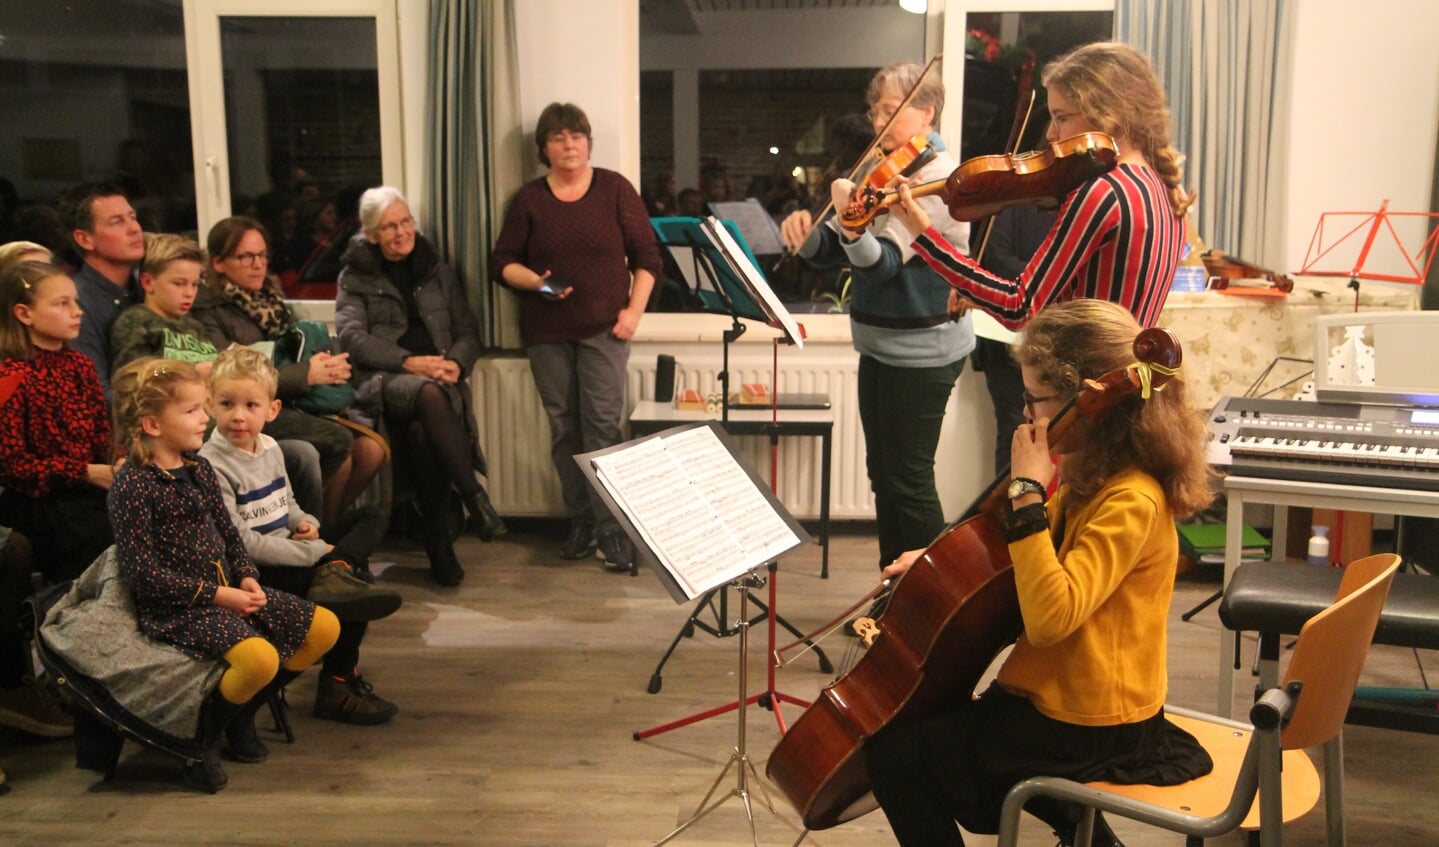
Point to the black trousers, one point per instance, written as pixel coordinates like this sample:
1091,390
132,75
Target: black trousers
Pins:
358,532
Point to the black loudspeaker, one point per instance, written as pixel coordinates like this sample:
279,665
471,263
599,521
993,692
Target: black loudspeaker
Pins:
664,379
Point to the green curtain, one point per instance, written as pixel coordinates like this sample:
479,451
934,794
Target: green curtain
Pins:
473,162
1224,66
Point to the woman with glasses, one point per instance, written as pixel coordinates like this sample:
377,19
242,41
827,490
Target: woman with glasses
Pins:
578,248
241,302
911,348
1119,236
403,318
1081,695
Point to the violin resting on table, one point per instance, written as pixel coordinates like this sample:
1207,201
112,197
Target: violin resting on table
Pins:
984,185
1223,268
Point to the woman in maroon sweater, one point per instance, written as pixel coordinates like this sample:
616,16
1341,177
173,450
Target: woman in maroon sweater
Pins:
578,247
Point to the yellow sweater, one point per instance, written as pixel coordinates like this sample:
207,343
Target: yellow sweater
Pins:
1095,614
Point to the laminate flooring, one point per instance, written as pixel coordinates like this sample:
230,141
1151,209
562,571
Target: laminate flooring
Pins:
520,693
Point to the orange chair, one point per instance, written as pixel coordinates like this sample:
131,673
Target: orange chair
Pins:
1306,710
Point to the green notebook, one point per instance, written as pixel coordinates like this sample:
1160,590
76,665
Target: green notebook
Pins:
1209,538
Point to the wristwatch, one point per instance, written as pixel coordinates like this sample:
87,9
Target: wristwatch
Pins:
1022,485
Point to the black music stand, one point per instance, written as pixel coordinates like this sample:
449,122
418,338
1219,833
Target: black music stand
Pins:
712,280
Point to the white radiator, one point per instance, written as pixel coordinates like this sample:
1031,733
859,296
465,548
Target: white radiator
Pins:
515,432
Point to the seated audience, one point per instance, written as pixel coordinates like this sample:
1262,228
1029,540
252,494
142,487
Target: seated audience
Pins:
162,325
290,548
403,318
54,463
111,245
241,303
194,585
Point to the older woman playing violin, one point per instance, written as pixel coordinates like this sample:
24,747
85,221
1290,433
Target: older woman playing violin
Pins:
911,349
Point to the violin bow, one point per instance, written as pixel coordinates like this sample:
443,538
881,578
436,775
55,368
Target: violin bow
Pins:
869,151
1025,96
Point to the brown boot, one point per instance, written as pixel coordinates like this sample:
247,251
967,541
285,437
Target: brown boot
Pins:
337,588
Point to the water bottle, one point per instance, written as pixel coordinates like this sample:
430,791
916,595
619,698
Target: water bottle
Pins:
1319,546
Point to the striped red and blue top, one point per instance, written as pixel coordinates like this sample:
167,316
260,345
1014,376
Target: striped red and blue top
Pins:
1116,238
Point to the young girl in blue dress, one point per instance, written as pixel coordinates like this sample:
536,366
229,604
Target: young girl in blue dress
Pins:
194,585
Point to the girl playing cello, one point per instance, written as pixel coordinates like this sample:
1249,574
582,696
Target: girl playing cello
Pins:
1082,694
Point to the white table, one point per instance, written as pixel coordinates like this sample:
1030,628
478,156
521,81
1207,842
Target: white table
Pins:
1242,491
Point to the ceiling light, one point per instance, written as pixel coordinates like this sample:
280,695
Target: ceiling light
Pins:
774,151
917,7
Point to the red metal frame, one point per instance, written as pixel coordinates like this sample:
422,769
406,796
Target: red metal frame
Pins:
1372,223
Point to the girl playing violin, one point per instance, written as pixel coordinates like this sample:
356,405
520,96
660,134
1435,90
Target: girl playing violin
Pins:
1082,694
1118,237
911,350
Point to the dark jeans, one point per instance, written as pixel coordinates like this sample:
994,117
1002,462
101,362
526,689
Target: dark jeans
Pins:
358,532
901,411
582,388
1006,389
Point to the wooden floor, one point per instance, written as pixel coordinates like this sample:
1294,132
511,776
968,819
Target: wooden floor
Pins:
519,695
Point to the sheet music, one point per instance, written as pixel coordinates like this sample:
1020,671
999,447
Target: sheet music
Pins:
695,507
735,256
754,223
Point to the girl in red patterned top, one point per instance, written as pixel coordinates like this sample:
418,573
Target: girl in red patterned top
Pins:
1118,237
54,431
54,463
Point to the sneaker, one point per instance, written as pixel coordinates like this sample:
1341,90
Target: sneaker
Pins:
616,552
337,588
28,709
351,700
580,542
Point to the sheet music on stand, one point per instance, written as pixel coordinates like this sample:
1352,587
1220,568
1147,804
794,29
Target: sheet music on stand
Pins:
692,508
741,267
755,225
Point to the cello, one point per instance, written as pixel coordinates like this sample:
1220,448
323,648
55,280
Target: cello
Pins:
947,618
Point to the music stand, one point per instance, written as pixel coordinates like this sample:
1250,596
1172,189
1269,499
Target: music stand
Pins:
681,496
724,276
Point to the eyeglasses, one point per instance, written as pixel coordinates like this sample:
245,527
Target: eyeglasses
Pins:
1030,401
250,260
881,115
1058,118
406,224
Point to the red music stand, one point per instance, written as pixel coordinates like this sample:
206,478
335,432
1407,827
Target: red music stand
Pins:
738,280
1371,229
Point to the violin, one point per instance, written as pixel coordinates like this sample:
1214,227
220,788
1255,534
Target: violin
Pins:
902,162
947,618
1223,268
983,185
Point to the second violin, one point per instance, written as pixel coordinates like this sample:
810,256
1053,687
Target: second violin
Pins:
981,186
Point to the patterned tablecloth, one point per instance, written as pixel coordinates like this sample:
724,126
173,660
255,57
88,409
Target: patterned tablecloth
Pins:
1228,340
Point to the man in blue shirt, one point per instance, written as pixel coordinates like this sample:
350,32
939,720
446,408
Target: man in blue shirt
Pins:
107,233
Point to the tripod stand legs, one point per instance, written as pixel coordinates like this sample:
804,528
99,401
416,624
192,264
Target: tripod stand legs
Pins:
720,629
1202,605
739,758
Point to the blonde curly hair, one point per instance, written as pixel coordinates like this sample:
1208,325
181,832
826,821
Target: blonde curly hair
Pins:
143,388
1114,87
1067,343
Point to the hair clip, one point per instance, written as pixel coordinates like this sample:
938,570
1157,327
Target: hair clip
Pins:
159,370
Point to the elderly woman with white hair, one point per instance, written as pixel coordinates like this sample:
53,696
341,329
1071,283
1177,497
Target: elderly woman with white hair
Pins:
402,316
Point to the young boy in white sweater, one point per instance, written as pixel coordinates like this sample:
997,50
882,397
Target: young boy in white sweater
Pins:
286,543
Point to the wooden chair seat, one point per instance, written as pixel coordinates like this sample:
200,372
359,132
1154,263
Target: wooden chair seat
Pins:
1208,795
1262,776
